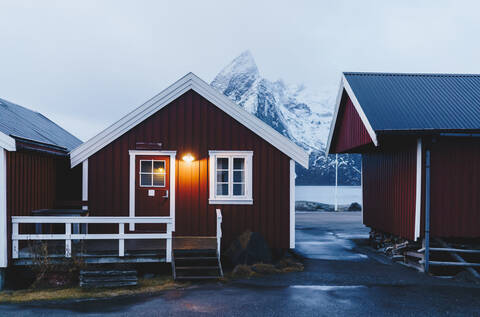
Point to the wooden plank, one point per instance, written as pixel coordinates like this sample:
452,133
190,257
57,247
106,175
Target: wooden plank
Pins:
415,254
455,250
466,264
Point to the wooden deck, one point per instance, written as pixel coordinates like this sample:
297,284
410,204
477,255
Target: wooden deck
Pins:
106,251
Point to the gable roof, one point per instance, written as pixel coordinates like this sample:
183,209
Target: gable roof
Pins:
189,81
392,102
19,122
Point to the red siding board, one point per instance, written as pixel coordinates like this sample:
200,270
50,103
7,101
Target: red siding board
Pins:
350,132
192,124
36,181
389,182
455,183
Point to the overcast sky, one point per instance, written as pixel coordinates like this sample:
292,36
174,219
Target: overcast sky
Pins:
85,64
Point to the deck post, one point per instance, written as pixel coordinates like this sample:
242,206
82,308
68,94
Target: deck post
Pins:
121,241
68,240
15,241
169,243
219,230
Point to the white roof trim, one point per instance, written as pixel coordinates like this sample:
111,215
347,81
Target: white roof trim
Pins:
344,85
7,142
187,82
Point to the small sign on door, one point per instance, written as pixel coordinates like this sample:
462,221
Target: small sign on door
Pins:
151,192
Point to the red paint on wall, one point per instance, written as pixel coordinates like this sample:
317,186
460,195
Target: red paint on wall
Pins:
191,124
455,188
36,181
389,189
350,132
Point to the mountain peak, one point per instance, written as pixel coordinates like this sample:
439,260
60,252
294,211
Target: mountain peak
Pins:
242,68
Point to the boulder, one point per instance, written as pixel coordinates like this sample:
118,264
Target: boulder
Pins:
249,248
302,205
355,207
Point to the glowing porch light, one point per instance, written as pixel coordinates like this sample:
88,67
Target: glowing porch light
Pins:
188,158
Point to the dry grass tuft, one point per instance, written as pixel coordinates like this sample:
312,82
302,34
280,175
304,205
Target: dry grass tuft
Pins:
145,286
263,268
242,271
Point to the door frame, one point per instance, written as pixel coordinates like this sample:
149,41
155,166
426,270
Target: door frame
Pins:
131,206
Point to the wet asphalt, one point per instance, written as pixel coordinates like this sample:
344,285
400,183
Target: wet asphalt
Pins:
343,276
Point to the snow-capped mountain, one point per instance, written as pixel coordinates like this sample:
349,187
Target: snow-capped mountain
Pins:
302,115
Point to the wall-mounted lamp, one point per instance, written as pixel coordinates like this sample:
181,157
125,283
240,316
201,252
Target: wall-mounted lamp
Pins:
188,158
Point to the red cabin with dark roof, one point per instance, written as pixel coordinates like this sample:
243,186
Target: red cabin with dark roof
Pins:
393,120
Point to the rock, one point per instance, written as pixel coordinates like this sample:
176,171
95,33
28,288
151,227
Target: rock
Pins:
355,207
302,205
465,276
249,248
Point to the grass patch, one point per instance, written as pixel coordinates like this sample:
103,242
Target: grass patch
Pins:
145,286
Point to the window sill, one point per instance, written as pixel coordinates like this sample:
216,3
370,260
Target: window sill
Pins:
230,201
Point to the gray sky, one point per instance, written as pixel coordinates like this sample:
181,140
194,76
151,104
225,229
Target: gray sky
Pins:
85,64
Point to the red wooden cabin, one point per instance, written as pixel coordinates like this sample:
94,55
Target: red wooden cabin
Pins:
397,121
184,154
34,169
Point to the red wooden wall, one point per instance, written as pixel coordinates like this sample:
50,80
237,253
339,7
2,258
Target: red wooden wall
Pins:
350,132
389,187
35,181
455,188
191,124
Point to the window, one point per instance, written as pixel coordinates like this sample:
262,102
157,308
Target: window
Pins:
231,177
152,173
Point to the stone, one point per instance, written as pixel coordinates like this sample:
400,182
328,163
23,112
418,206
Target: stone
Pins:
249,248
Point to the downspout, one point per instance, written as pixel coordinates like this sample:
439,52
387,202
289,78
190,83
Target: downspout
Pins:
427,206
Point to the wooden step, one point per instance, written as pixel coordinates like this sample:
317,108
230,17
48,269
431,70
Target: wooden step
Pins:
197,267
198,277
196,263
196,258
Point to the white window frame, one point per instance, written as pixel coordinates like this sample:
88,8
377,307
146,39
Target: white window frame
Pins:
215,199
140,173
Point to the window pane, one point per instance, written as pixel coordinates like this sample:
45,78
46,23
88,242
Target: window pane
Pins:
222,176
222,163
146,166
222,189
238,189
145,179
238,163
159,166
158,180
239,176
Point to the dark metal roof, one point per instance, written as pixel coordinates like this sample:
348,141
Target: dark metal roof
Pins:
418,101
20,122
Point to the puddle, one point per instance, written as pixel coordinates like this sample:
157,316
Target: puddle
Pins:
327,287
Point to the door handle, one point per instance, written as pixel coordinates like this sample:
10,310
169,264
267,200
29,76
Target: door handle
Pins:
166,194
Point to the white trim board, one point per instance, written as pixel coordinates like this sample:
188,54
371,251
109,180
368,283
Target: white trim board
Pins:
189,81
3,209
131,199
345,86
7,142
292,203
418,188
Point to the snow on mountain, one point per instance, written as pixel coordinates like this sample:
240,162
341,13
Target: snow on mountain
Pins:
301,114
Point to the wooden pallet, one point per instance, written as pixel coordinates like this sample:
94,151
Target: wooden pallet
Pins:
107,278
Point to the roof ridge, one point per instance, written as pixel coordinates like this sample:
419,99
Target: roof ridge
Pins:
410,74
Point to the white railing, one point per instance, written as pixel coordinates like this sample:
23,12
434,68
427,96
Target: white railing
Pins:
121,236
219,230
